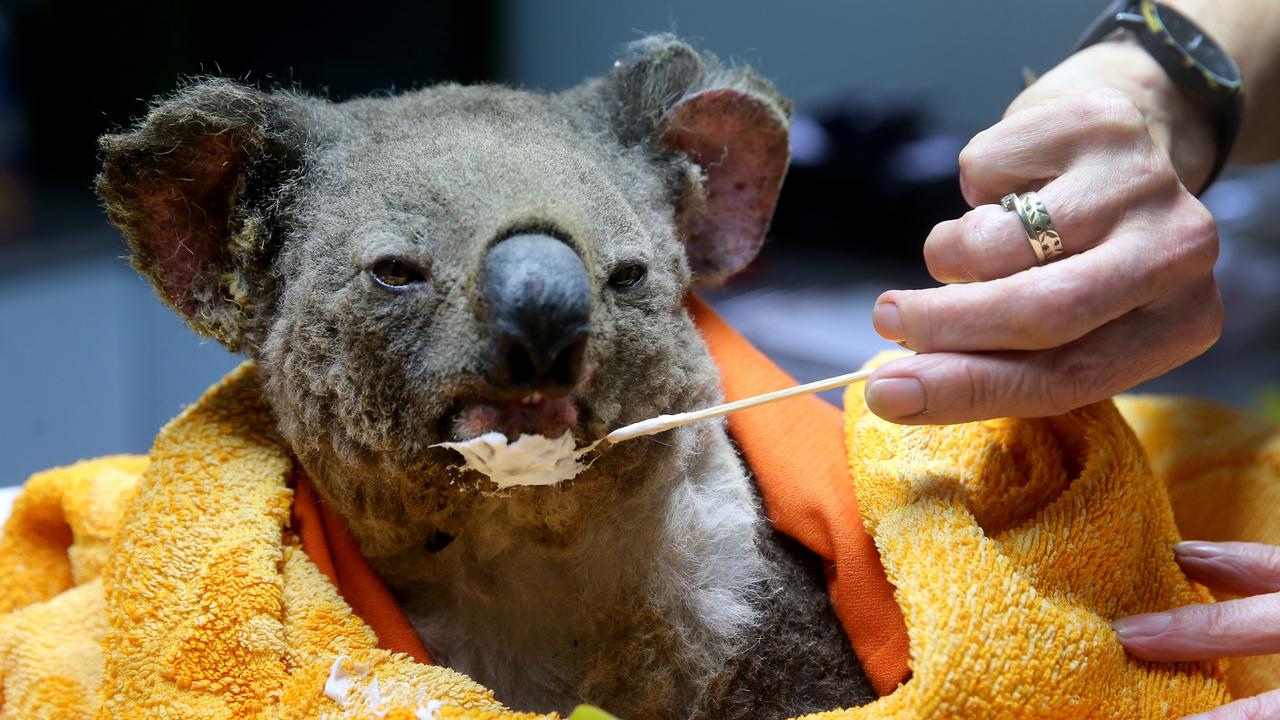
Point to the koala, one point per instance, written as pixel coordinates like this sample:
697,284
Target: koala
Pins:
439,264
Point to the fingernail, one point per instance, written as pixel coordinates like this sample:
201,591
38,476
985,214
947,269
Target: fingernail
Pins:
887,321
1137,626
1198,549
896,397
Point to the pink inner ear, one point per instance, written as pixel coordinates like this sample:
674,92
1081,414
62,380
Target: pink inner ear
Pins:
184,222
740,142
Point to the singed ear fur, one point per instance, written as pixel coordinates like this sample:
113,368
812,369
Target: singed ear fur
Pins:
729,123
195,188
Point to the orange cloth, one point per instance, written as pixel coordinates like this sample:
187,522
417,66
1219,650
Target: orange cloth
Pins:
796,451
325,540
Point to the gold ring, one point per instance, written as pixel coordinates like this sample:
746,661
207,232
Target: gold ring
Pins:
1040,231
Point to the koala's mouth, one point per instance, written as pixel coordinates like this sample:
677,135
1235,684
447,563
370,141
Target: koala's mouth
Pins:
533,415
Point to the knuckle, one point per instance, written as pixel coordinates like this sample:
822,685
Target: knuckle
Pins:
935,259
1214,621
974,242
968,154
1149,173
929,312
1063,387
974,397
1201,319
1103,96
981,153
915,310
973,158
941,251
970,224
1156,174
1190,249
933,244
1106,109
1049,313
1266,560
1200,234
1209,324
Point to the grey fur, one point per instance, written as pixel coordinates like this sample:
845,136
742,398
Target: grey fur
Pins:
651,584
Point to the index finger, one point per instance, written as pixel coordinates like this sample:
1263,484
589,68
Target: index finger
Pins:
1042,307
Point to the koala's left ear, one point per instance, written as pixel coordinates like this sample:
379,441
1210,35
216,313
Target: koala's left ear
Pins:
196,189
731,124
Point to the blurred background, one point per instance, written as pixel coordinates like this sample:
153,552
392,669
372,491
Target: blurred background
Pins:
887,95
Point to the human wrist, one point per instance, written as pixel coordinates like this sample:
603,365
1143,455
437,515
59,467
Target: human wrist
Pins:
1179,125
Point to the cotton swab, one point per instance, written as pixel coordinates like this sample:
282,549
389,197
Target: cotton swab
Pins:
662,423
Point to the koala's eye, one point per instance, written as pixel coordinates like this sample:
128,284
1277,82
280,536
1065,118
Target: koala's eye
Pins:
395,274
627,275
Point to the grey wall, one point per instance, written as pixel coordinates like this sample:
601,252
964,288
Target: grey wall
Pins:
963,59
91,363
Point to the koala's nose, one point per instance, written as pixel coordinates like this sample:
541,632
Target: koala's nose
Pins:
539,297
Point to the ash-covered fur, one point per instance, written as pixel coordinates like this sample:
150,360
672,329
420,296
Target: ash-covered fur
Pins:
651,584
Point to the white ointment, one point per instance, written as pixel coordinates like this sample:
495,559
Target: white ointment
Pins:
430,711
340,679
530,460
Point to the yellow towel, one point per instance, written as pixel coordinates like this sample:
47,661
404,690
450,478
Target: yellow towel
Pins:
205,607
175,588
1222,470
1012,543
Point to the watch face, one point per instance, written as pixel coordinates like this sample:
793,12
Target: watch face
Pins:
1197,45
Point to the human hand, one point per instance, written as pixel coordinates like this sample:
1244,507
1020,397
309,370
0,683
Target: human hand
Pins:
1235,628
1133,297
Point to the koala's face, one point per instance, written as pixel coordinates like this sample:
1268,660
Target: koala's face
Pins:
456,261
466,260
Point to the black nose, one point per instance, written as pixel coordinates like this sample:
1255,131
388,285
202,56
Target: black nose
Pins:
539,298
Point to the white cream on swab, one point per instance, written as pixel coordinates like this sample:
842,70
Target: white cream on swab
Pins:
538,460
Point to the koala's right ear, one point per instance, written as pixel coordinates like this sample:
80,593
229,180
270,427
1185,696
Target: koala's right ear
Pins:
195,188
731,128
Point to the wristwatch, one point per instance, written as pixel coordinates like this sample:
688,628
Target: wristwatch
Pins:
1193,61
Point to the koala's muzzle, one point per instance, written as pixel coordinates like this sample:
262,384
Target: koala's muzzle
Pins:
539,299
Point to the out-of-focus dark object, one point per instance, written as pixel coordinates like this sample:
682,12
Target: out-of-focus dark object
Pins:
866,180
14,196
83,67
1246,206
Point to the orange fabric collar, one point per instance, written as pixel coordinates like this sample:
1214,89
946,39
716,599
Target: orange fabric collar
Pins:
796,451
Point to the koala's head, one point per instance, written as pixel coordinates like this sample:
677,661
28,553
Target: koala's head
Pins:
454,261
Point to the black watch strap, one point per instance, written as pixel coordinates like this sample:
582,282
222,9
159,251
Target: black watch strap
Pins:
1219,89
